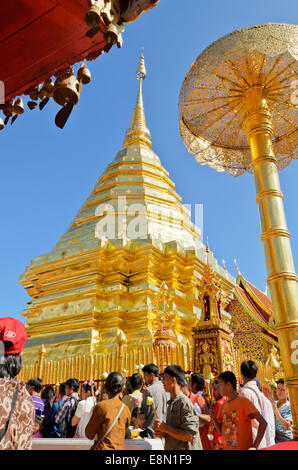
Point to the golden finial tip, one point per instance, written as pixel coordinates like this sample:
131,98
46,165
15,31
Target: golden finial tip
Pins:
236,266
207,246
141,72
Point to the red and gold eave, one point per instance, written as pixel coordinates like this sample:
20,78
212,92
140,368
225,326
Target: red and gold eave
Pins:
40,38
255,303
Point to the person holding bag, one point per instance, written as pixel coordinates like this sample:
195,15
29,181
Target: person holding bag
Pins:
110,418
17,412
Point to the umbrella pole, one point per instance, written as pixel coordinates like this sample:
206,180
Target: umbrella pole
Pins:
275,237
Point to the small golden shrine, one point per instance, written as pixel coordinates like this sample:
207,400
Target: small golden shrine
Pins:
213,347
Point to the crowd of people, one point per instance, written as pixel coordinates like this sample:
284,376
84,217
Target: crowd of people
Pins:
170,406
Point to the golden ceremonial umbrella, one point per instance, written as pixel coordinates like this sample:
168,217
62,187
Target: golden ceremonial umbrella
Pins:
237,113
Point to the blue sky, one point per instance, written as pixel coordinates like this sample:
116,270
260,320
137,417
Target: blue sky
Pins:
47,173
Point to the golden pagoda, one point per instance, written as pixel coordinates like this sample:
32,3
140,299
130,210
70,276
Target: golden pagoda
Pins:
95,293
131,282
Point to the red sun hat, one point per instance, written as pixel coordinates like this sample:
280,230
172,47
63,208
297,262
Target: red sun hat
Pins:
14,331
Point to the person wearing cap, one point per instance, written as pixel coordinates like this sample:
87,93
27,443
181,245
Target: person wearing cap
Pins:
17,412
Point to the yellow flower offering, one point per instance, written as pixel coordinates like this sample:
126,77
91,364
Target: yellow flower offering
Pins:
150,402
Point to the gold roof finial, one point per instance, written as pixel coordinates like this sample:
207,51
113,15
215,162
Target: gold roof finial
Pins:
207,250
141,72
237,267
138,133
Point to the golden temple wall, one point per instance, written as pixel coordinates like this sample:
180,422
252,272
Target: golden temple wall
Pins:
92,367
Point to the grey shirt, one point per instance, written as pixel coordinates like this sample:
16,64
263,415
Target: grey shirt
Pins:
182,415
157,392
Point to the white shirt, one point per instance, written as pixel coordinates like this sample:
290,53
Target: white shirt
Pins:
83,411
257,398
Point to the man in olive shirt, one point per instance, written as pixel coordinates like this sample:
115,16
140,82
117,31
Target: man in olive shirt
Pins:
181,429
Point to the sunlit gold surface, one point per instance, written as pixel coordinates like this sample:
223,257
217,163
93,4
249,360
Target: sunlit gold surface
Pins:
237,114
90,291
212,103
282,278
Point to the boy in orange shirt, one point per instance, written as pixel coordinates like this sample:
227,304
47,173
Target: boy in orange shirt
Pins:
234,418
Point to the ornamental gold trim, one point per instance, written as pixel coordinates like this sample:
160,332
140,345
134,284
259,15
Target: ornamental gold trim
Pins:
267,193
282,275
275,232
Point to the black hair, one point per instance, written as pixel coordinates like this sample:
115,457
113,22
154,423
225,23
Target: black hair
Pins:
186,384
128,387
136,382
134,413
114,383
198,379
11,366
104,390
281,381
62,389
249,369
229,377
176,371
48,393
151,369
73,383
39,420
36,383
89,388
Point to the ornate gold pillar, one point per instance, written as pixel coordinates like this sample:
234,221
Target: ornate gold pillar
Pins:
213,348
41,361
121,340
282,278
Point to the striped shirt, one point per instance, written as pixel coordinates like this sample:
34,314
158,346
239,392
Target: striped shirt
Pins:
285,411
38,404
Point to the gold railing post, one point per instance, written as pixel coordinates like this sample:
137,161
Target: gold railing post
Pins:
282,278
121,340
41,361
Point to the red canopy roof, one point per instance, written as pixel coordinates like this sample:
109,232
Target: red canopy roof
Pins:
39,38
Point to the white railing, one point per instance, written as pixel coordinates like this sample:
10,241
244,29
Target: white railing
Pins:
85,444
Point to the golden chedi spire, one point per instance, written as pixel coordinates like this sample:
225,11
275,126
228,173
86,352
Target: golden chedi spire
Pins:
138,132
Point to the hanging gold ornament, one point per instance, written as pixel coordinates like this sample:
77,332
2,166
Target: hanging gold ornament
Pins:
66,93
46,92
33,92
84,74
93,14
18,106
112,35
8,111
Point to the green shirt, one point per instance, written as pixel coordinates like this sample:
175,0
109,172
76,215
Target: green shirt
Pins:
182,415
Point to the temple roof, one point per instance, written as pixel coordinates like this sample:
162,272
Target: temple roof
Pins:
255,302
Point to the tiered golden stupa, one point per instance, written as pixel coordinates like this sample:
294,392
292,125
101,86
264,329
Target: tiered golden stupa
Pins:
129,280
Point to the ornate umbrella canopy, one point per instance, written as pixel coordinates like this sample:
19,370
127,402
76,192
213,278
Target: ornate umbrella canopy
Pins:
212,97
